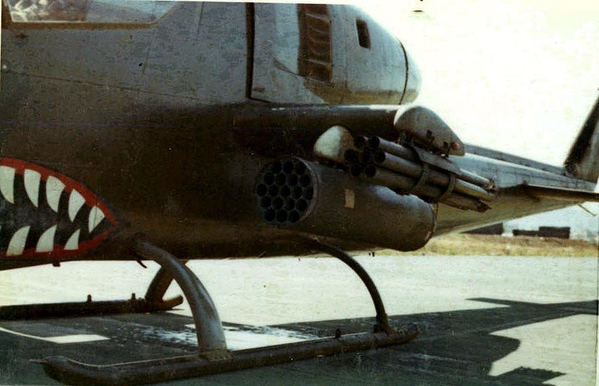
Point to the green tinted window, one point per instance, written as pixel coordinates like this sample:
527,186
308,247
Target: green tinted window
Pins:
88,11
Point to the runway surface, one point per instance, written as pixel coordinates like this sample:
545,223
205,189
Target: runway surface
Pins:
483,320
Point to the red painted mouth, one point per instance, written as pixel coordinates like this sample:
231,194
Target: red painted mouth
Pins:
44,214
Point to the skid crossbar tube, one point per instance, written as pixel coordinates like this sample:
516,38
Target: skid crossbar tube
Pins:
381,315
211,337
159,285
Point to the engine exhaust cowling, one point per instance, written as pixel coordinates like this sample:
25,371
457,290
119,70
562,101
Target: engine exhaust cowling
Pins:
299,195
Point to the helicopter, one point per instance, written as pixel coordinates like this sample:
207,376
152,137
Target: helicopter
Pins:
173,131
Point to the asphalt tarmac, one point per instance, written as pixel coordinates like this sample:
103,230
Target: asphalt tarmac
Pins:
483,320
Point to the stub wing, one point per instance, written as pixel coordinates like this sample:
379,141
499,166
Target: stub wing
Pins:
567,195
525,187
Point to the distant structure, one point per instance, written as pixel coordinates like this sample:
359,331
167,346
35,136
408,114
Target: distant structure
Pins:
495,229
556,232
593,236
522,232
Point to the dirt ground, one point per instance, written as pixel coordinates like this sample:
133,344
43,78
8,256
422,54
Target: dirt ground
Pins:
483,245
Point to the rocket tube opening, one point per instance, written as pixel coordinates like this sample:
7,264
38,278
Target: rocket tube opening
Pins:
329,202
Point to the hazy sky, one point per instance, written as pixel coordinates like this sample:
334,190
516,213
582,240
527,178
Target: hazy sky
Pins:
519,76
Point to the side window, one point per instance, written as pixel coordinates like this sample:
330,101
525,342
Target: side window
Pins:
363,33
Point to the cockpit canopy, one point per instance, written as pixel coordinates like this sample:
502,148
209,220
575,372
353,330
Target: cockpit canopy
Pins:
87,11
337,52
279,53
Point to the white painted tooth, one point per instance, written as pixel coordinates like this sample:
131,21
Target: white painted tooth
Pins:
7,183
76,201
96,215
16,246
46,241
54,188
32,185
73,242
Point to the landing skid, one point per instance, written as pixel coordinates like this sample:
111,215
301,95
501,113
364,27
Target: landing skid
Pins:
87,308
152,302
213,356
135,373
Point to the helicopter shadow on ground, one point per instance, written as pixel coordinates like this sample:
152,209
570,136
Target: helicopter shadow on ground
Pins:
453,348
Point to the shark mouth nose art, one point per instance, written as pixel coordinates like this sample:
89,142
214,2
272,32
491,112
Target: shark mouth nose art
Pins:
44,214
